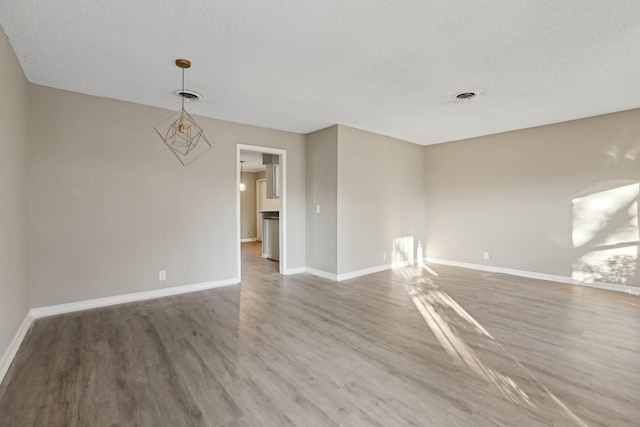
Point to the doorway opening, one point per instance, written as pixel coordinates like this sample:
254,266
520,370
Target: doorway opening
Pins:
261,206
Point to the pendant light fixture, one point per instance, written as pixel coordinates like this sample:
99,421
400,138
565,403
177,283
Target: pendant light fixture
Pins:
180,132
242,186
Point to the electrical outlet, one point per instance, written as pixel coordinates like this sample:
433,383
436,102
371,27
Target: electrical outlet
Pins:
384,255
486,255
317,208
162,275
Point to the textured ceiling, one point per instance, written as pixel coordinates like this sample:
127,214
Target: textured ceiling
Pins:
391,67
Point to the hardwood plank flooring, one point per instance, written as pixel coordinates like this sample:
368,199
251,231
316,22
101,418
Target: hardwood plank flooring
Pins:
417,346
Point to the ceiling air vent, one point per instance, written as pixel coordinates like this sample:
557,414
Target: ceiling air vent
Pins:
465,96
189,95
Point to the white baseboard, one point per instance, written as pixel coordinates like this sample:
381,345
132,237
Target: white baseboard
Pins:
363,272
36,313
124,298
347,276
298,270
540,276
10,353
249,239
323,274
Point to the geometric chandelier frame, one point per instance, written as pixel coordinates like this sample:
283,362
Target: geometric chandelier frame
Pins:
180,132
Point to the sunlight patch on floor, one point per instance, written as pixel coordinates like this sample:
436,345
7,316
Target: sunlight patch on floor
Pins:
460,335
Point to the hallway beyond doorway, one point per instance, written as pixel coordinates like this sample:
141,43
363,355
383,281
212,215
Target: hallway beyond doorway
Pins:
254,267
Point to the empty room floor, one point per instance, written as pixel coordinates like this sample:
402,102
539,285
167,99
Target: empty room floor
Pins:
419,346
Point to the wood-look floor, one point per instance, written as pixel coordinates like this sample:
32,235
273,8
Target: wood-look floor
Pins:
419,347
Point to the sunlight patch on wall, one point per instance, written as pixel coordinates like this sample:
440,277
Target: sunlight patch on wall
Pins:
605,231
617,266
402,253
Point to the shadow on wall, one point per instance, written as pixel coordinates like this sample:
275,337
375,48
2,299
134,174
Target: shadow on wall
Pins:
605,233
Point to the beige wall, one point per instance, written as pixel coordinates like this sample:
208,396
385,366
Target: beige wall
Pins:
380,200
322,189
110,205
14,285
370,189
559,199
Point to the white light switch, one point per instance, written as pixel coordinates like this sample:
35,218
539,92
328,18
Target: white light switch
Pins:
317,208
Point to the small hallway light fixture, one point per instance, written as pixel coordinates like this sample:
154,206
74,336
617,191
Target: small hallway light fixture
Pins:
180,132
242,186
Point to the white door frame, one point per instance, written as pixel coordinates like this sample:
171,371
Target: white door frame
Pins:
258,220
283,202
